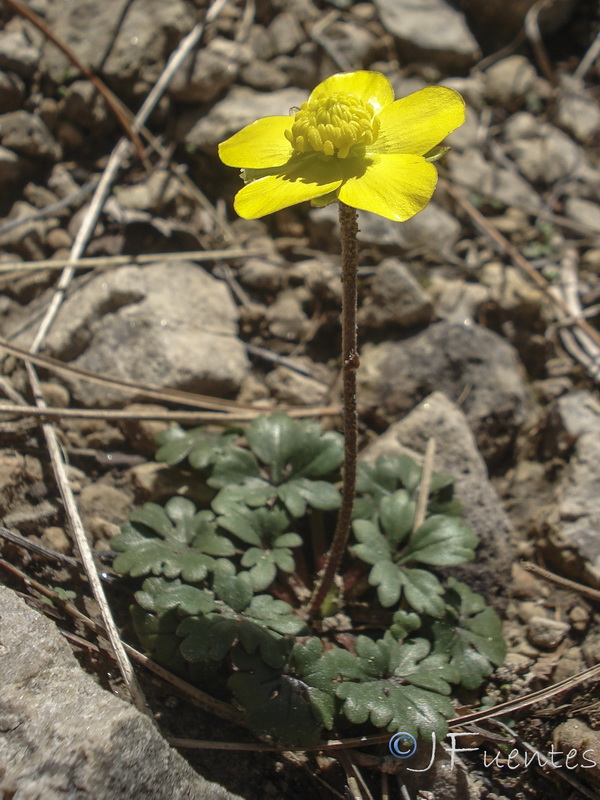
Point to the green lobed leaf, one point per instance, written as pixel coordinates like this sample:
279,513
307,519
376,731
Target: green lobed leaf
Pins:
188,541
209,637
288,540
235,590
397,708
318,494
233,465
179,509
255,638
297,493
253,492
170,559
276,705
414,663
374,656
320,675
442,542
388,579
294,448
259,526
174,444
470,634
284,559
276,614
263,568
197,444
153,517
374,546
158,595
423,591
387,474
290,495
397,516
321,453
207,449
404,623
273,439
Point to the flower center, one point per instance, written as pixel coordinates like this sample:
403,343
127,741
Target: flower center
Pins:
333,126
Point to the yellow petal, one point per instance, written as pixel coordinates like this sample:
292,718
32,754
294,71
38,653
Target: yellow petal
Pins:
303,179
370,87
262,144
416,123
393,186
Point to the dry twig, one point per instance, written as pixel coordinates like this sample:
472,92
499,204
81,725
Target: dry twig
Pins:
532,29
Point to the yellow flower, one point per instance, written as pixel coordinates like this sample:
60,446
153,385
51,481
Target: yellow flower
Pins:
351,141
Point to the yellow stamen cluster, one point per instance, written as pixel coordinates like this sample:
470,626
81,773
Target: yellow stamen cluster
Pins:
333,126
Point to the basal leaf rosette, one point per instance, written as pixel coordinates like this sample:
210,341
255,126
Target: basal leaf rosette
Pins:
351,141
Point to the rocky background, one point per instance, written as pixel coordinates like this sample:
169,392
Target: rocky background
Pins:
477,327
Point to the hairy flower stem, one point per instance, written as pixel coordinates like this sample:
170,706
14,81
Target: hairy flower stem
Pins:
350,361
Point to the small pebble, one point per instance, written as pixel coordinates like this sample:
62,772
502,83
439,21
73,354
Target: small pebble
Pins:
56,539
546,633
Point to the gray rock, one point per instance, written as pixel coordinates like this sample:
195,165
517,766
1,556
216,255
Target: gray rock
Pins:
27,134
285,317
577,111
546,633
522,125
583,211
210,70
27,239
433,228
12,92
144,39
509,79
302,70
261,42
550,157
168,324
461,360
574,734
259,273
10,167
152,194
395,298
355,42
64,737
456,300
431,29
87,28
286,33
320,276
241,107
579,412
573,537
17,53
511,292
471,169
298,390
84,107
457,455
264,76
101,500
129,40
